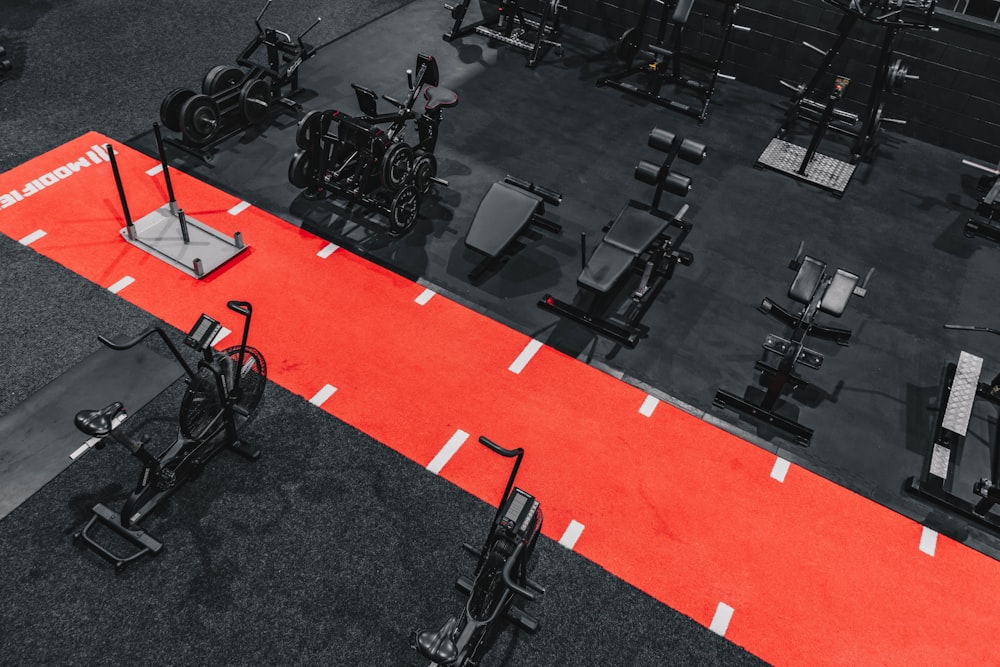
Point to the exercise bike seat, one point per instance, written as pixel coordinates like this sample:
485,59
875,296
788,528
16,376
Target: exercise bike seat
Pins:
98,423
439,96
502,214
630,234
436,645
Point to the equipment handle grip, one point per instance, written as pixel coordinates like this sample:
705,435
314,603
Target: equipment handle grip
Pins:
242,307
509,453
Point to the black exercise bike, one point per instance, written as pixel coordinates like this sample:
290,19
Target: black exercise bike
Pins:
220,399
500,579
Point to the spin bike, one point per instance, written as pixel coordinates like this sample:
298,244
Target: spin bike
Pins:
220,399
500,578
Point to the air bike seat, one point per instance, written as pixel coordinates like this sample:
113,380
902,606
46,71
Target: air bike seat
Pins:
505,213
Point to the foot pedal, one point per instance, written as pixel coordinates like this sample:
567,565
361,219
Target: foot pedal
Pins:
962,394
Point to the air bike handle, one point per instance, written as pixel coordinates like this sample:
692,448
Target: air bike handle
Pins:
242,307
509,453
155,330
517,455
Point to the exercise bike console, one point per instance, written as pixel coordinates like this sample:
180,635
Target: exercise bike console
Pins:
202,333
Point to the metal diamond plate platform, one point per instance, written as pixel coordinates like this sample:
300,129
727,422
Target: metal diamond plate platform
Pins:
826,172
963,393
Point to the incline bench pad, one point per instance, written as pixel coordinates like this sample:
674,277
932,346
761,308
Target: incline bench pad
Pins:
631,233
502,214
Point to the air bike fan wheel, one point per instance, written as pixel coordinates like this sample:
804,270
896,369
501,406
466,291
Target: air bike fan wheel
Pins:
201,409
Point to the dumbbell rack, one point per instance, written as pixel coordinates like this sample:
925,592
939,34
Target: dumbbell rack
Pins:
807,164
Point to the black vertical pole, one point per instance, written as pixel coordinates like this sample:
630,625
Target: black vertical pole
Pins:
121,191
163,163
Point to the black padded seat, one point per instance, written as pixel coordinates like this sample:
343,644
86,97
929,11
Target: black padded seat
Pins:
838,293
630,234
98,423
439,96
502,214
437,646
806,279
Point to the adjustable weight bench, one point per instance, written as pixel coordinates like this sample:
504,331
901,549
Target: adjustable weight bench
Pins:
642,239
509,209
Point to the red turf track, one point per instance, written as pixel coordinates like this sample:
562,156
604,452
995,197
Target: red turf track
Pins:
678,508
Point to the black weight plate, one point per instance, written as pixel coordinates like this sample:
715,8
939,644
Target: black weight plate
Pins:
255,98
170,108
403,211
628,45
220,78
298,169
424,169
308,128
199,119
397,165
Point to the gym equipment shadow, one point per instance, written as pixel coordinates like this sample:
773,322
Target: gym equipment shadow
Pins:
554,126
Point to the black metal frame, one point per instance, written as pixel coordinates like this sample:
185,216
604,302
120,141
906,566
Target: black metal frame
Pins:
247,95
986,223
499,582
892,16
809,287
933,484
510,22
163,474
365,158
666,64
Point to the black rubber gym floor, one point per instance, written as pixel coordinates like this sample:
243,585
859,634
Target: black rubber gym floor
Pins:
902,214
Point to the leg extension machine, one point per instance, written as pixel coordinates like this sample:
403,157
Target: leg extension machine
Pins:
818,291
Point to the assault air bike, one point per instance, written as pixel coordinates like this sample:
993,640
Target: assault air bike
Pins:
233,99
221,397
500,580
368,159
